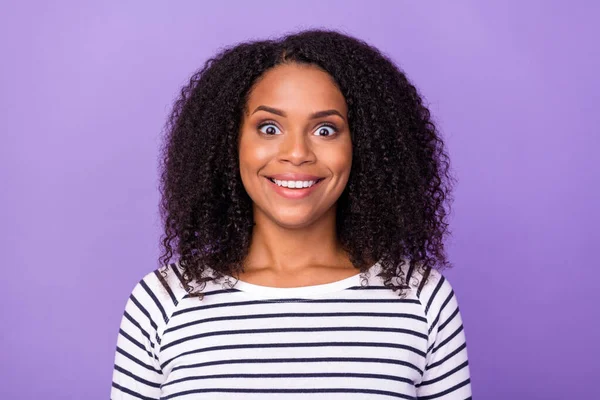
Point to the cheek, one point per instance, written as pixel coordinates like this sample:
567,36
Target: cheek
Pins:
254,160
341,161
254,154
261,153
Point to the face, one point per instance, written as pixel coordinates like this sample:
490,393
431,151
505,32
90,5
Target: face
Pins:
295,128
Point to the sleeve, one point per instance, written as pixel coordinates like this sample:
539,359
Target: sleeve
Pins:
137,373
447,374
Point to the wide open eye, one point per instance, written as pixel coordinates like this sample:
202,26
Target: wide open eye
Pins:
326,130
271,129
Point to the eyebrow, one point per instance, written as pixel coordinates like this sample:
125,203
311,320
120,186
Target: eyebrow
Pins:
318,114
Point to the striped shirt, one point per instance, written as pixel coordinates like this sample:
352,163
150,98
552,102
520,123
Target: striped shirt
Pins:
353,339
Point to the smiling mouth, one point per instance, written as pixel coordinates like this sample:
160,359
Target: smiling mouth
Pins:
295,184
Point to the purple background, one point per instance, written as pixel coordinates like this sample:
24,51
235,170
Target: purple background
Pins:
85,91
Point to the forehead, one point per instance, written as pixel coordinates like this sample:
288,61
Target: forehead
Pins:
296,87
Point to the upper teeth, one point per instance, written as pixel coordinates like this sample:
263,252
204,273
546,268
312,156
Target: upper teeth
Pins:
294,184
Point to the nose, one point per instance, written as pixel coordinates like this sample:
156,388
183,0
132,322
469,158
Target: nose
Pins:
296,148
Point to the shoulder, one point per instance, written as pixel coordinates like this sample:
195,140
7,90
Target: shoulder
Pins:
433,290
439,303
156,296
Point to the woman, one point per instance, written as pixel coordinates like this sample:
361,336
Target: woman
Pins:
303,190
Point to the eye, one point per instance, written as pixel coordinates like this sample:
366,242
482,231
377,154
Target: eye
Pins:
271,128
326,130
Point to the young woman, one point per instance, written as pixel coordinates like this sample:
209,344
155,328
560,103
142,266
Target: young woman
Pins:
303,188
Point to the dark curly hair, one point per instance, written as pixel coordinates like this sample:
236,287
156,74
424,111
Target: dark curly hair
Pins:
392,209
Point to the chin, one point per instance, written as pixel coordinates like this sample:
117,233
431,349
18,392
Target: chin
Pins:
296,222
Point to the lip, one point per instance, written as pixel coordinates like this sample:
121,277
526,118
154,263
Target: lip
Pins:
294,194
294,177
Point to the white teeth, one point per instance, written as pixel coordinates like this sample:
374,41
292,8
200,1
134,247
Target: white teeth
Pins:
294,184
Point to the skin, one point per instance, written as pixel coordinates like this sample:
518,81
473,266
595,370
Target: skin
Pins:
294,242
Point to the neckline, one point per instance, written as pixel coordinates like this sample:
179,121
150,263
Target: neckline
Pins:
323,288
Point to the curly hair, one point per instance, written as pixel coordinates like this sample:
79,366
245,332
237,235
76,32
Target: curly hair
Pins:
393,206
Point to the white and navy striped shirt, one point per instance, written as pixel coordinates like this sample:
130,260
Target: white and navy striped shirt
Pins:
341,340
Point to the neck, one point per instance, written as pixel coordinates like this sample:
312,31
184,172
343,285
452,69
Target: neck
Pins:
282,249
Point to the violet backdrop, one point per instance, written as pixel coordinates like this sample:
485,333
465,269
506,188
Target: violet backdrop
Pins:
85,91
